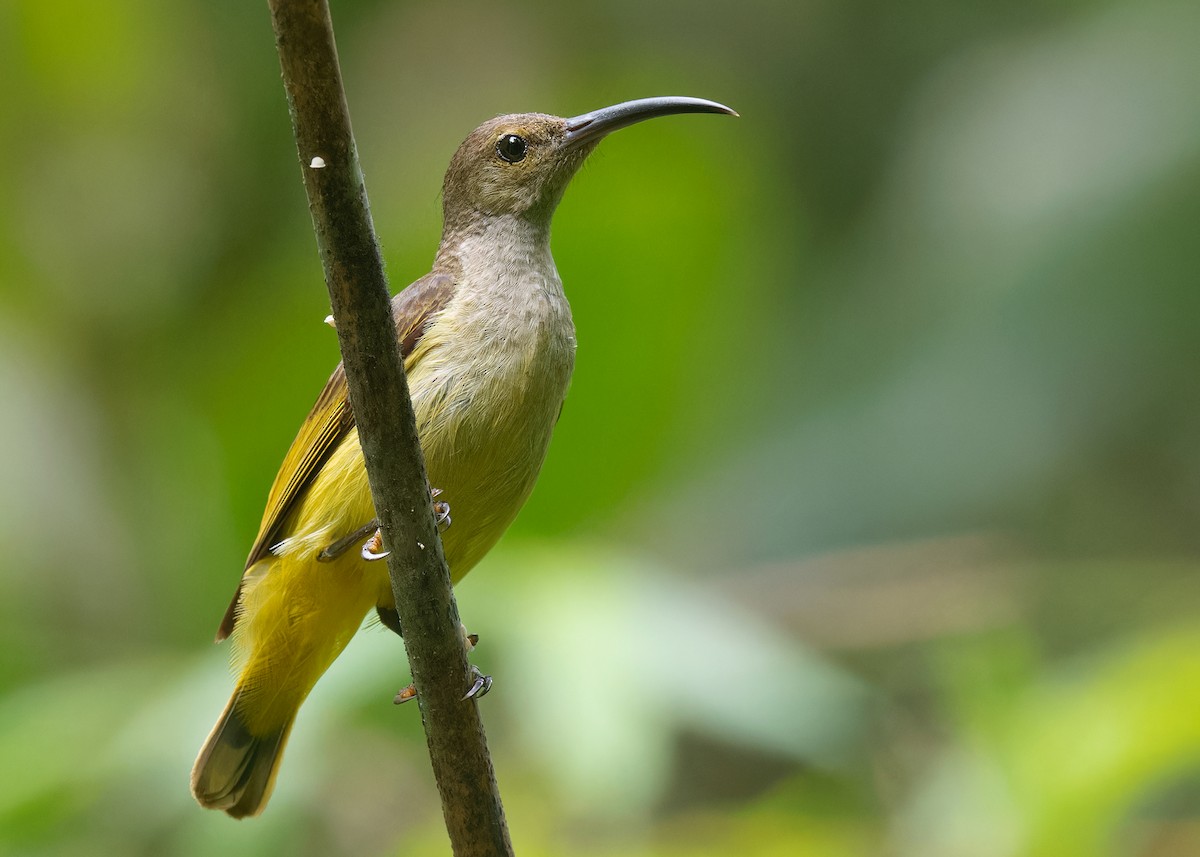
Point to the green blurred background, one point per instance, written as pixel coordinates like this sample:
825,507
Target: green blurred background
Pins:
870,524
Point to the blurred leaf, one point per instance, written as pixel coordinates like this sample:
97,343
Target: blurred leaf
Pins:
620,654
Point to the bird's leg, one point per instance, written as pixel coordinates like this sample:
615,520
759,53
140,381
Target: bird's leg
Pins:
481,683
390,619
372,548
343,544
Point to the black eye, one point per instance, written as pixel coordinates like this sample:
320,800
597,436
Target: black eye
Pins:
511,148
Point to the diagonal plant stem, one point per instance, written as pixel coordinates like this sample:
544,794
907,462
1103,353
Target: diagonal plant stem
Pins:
358,293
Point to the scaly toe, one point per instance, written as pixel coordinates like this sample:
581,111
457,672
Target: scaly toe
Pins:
372,549
483,683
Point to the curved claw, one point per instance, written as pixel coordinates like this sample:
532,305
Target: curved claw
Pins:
441,510
441,513
372,549
483,683
478,689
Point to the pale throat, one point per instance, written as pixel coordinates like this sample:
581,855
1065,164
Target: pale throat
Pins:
507,255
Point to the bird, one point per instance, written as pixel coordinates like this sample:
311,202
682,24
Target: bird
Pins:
488,344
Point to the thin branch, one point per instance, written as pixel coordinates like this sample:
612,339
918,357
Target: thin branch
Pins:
358,292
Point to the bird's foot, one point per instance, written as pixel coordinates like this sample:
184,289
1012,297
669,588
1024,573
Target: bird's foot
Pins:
441,510
344,544
372,548
480,683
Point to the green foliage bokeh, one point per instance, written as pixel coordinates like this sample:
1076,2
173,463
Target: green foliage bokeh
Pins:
870,523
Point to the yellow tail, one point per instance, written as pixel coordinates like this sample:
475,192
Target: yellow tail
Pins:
294,616
236,768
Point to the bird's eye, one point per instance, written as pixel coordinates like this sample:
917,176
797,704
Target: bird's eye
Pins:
511,147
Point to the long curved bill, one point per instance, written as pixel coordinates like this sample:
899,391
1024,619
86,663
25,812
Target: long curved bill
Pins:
592,126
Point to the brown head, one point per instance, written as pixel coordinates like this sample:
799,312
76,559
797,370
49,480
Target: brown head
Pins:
521,163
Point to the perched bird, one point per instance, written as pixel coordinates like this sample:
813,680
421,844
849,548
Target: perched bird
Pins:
488,346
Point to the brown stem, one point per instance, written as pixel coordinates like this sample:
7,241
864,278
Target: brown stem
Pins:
358,293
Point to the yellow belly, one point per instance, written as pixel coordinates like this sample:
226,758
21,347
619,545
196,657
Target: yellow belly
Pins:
485,425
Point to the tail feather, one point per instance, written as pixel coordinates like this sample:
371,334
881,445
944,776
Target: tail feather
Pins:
236,769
